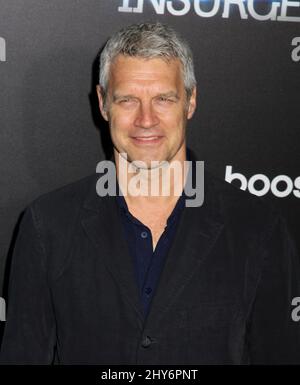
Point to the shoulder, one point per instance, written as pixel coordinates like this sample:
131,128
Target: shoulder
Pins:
240,209
62,204
236,206
72,193
233,196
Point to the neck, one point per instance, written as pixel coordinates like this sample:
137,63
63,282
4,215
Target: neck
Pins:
161,185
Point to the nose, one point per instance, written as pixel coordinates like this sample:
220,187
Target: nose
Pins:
146,116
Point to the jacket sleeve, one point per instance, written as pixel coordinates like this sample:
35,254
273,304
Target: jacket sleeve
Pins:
274,331
29,334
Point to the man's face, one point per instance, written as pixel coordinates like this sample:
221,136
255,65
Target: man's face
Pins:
147,99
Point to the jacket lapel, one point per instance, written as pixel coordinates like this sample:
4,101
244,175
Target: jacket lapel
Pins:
197,232
104,229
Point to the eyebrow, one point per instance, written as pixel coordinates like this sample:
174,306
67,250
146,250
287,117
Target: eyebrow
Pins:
118,96
169,94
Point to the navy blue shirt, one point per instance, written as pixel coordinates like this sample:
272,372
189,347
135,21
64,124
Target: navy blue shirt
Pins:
148,264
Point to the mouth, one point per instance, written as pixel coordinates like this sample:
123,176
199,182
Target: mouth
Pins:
147,139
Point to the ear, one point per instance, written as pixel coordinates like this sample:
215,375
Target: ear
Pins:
192,104
101,103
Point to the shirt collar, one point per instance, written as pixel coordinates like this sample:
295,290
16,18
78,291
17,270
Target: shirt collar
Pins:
180,204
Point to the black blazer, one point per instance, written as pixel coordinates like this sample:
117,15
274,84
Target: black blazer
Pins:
224,296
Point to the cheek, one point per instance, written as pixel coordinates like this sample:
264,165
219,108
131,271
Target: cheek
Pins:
121,122
174,122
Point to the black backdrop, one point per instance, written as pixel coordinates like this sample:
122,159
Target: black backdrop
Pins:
248,115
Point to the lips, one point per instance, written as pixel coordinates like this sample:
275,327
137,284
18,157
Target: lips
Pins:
147,140
146,137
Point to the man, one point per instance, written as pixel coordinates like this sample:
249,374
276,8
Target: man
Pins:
144,279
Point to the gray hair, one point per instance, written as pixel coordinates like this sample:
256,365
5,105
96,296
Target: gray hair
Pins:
148,40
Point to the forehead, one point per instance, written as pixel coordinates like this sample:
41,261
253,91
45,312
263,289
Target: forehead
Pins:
127,70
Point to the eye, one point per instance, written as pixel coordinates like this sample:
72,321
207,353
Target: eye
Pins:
126,101
165,100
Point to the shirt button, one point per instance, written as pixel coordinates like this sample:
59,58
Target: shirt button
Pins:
146,342
144,234
148,290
